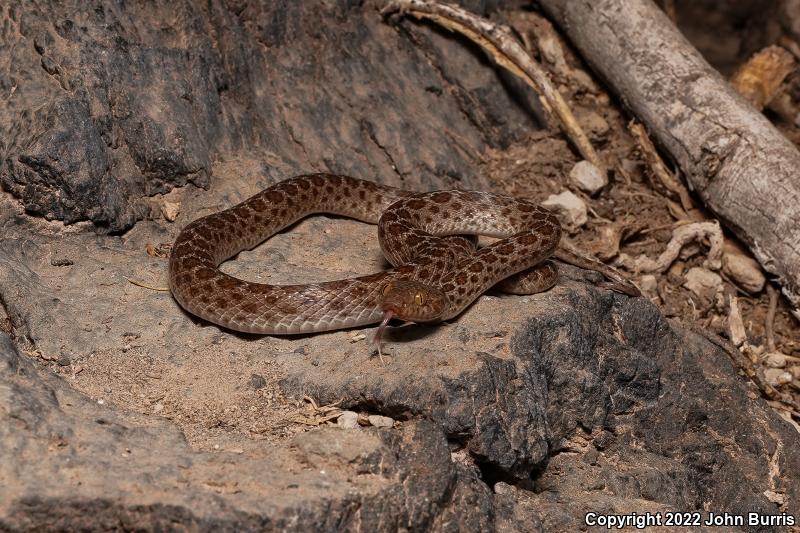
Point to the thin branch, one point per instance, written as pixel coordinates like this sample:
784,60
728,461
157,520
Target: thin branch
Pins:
499,42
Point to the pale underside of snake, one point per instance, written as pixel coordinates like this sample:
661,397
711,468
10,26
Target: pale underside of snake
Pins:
428,237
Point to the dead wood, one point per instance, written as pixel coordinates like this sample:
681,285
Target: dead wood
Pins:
739,165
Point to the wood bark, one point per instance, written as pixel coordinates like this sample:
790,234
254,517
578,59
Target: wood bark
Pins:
740,166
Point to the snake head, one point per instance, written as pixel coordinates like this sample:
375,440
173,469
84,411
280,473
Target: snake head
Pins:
413,301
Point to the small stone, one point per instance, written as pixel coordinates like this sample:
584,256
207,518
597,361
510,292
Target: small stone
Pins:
588,177
777,376
347,420
744,270
63,360
774,360
170,210
503,488
570,209
703,283
380,421
257,381
357,336
157,408
775,497
648,284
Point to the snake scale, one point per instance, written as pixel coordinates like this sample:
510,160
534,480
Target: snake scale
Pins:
428,237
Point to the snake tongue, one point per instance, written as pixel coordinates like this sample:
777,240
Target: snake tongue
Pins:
387,316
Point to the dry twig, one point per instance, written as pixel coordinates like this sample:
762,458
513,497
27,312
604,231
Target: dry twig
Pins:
769,325
140,284
657,166
317,414
501,44
681,236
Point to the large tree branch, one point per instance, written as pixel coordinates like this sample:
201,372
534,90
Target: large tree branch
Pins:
736,161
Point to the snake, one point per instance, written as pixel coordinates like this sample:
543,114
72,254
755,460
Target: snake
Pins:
429,238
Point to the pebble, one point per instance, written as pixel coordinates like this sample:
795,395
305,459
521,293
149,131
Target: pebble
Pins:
744,270
380,421
703,283
570,209
257,381
648,284
170,210
503,488
774,360
588,177
777,376
347,420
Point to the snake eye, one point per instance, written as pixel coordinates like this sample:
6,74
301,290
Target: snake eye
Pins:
419,298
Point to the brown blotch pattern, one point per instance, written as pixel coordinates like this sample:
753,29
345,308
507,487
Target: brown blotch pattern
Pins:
505,249
196,278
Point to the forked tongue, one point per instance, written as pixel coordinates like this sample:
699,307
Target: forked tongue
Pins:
387,316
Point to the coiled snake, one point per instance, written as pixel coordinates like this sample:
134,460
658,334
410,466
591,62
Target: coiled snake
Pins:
437,270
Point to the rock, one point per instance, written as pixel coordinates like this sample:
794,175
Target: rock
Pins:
121,113
774,360
570,209
324,471
777,376
380,421
348,420
744,270
703,283
257,381
170,210
588,177
648,284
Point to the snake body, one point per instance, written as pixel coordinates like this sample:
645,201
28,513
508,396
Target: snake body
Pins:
437,270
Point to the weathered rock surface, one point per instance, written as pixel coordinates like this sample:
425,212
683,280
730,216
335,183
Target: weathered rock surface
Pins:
71,464
107,104
119,411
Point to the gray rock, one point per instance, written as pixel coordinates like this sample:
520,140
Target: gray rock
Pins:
380,421
111,105
570,209
588,177
348,420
